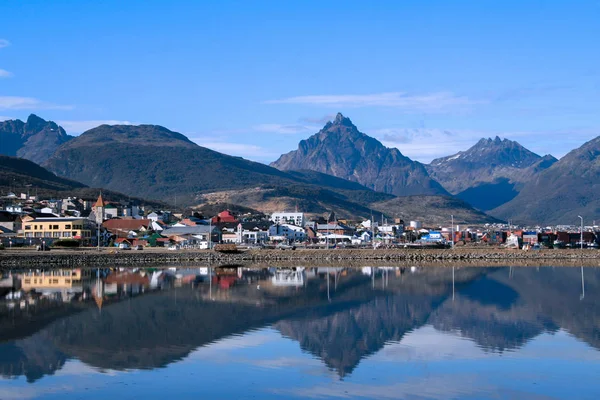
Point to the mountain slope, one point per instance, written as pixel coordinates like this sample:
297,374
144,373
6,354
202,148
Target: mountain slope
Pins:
339,149
490,173
35,140
17,173
433,210
559,194
154,162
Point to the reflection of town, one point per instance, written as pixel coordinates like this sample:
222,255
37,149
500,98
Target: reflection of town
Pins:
128,318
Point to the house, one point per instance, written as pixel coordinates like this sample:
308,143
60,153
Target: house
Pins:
200,232
224,217
335,228
11,221
287,232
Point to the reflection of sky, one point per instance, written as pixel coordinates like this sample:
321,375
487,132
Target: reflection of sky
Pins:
425,364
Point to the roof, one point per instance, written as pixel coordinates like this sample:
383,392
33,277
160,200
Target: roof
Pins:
58,219
100,201
332,227
129,224
187,230
6,216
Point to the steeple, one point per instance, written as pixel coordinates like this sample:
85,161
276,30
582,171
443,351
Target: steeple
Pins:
100,201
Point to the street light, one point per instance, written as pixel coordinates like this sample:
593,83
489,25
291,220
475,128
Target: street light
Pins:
581,232
452,232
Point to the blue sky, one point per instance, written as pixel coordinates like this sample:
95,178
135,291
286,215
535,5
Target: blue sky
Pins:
254,78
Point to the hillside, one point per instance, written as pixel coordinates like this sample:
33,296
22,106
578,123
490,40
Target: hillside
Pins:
18,175
35,140
341,150
154,162
559,194
490,173
433,210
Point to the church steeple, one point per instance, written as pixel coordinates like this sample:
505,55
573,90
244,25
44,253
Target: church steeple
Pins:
99,209
100,201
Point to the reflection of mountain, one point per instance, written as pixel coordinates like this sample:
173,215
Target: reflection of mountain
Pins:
498,310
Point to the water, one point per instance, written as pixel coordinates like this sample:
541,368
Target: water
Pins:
255,333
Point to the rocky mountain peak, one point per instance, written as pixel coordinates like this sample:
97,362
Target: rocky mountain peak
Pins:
341,150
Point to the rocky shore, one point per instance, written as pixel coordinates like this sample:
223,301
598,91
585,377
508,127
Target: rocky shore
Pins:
483,256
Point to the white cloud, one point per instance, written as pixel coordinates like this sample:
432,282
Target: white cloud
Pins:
5,118
5,74
29,103
425,144
4,43
250,151
437,102
82,126
282,129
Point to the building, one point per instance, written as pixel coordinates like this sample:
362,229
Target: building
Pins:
98,210
200,232
51,229
335,228
295,218
10,221
123,227
224,217
287,232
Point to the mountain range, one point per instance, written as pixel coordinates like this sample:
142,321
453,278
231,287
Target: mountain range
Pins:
562,192
339,168
490,173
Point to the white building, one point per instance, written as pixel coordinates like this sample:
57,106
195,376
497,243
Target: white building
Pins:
287,232
294,218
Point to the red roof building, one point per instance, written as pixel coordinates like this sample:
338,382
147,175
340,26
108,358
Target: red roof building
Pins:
224,217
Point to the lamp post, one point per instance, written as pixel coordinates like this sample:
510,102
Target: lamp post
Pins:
581,232
452,231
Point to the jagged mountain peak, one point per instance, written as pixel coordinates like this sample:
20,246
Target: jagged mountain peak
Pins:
490,172
35,140
341,150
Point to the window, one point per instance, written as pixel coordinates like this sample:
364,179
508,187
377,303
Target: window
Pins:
35,227
66,234
55,281
47,234
27,227
28,234
38,234
68,226
27,281
55,234
54,226
67,281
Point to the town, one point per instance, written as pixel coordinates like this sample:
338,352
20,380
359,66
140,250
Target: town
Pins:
27,221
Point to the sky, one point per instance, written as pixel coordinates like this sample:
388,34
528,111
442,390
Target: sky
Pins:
252,79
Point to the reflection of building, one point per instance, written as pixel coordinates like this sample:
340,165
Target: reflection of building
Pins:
70,280
288,277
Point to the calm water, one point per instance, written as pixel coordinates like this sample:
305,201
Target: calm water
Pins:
386,333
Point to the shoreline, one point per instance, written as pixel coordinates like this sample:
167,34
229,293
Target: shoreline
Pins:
15,258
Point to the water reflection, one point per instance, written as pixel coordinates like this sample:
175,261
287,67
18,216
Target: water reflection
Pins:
143,319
